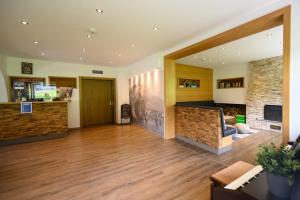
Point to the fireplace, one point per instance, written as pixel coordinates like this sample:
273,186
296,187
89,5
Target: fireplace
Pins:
273,113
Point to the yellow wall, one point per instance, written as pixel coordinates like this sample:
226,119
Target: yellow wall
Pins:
205,75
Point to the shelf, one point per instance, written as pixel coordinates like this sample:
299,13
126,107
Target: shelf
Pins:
230,83
188,83
63,81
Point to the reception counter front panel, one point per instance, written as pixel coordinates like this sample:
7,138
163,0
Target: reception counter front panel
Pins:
47,120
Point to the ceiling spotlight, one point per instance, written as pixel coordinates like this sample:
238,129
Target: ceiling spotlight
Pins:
99,11
223,48
24,22
83,49
43,54
35,42
155,28
89,35
80,58
223,63
132,45
119,55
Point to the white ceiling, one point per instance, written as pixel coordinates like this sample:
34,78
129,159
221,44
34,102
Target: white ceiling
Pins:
61,26
265,44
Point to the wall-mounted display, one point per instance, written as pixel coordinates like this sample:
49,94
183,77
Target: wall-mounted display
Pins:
188,83
27,68
230,83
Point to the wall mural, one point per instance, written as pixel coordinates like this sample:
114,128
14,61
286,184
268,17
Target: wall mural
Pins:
146,99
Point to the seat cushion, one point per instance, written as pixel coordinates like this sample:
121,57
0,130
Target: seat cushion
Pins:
243,128
229,130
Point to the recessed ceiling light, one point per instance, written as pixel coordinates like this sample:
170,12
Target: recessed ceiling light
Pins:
99,11
119,55
223,48
132,45
80,58
24,22
155,28
35,42
83,49
43,54
239,53
89,35
223,63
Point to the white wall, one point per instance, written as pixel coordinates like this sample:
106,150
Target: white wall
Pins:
232,95
295,71
155,61
3,80
43,68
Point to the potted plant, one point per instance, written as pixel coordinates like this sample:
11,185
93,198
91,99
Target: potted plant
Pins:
281,167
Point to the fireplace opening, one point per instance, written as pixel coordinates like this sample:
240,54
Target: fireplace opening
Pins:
273,113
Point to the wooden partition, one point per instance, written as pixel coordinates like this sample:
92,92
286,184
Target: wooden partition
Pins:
203,75
277,18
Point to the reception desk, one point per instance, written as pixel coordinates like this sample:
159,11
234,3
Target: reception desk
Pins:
47,120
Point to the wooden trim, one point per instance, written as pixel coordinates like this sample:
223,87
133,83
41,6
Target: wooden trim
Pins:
9,88
286,75
255,26
170,97
114,95
274,19
62,77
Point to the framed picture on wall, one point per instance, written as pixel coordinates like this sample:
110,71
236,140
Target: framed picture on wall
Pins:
27,68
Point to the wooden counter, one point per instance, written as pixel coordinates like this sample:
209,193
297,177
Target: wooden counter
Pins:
47,120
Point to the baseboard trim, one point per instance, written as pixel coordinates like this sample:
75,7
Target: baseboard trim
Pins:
33,139
204,146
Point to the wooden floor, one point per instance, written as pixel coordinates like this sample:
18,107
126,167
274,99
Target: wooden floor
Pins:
114,162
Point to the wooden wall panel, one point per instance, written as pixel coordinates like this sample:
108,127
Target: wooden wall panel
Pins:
46,118
170,98
205,75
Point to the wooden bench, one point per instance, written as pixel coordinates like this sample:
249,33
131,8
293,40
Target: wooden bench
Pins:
229,174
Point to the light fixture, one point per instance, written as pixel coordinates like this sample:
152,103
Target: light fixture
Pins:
119,55
83,49
35,42
132,45
80,58
24,22
43,54
89,35
223,48
223,63
99,11
155,28
239,53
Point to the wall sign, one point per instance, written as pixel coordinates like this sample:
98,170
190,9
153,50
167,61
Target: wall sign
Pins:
26,107
97,71
27,68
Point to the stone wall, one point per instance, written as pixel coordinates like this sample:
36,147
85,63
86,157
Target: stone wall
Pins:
265,88
199,124
46,118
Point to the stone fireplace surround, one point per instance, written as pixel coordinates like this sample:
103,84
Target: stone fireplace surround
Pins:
264,88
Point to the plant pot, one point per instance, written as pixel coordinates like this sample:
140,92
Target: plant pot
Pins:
278,186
